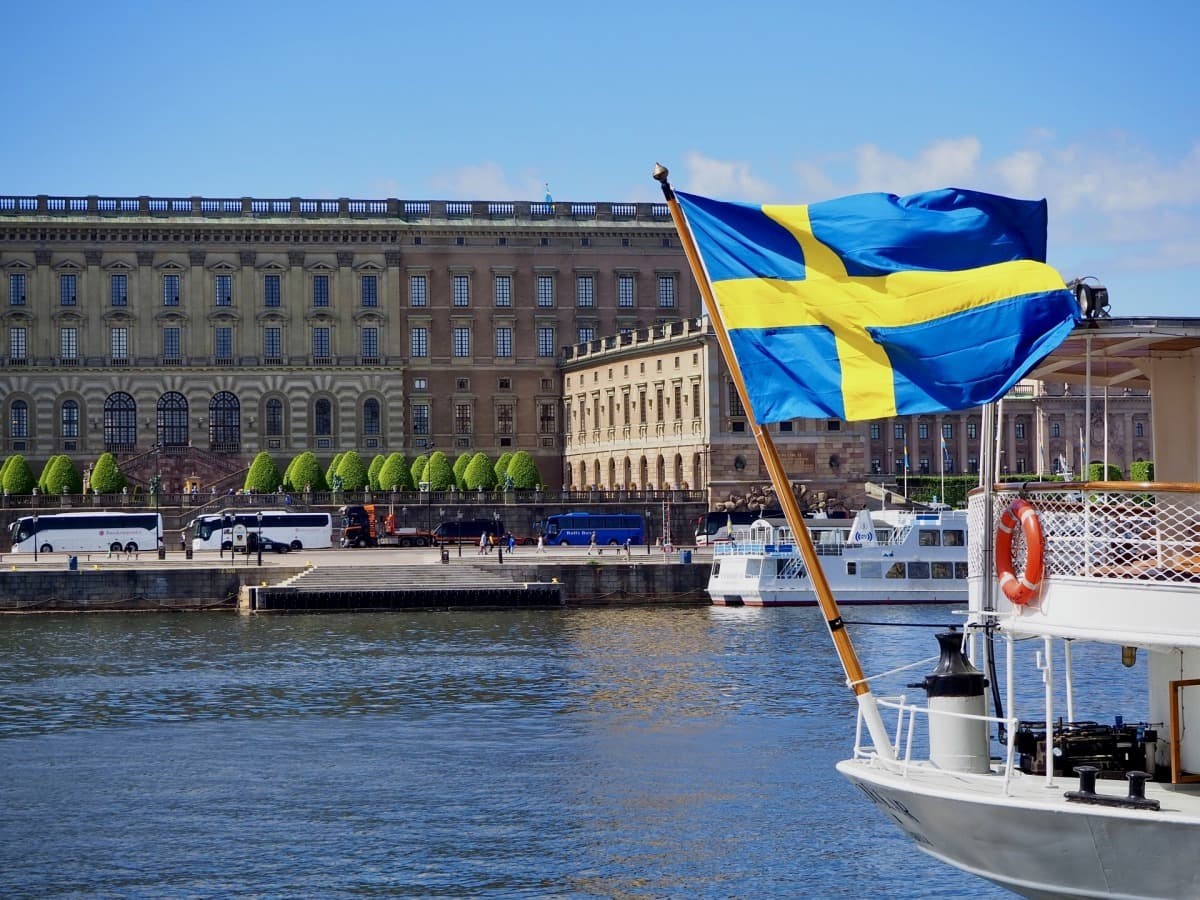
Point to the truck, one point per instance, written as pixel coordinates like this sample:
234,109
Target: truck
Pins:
364,525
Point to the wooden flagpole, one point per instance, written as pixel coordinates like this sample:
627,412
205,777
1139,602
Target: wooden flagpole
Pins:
783,490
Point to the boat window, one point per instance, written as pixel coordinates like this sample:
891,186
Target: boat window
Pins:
851,568
769,567
716,568
960,570
870,570
918,570
953,538
895,570
753,566
941,569
930,537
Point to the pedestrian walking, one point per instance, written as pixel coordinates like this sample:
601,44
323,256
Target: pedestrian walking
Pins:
541,544
592,543
512,542
482,543
628,555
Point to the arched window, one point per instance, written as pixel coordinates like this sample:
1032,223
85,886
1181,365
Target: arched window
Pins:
274,417
19,424
370,416
172,420
120,423
323,418
69,419
224,423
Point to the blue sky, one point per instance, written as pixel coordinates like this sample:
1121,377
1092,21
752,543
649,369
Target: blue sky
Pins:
1094,106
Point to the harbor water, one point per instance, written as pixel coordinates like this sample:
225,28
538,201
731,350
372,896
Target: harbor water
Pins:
646,752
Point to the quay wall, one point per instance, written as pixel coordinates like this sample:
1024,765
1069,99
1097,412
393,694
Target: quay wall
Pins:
218,587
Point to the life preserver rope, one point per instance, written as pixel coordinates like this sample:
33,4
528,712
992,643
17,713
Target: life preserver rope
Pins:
1023,587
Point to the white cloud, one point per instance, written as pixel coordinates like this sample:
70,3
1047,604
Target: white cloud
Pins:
723,179
486,181
946,163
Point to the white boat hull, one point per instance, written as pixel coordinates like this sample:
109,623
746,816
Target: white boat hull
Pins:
1035,843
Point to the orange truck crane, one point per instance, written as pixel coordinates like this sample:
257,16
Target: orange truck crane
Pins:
362,526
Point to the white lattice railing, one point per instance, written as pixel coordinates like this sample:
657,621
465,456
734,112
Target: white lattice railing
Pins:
1105,529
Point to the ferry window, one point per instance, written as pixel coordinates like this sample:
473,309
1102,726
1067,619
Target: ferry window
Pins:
769,567
918,570
752,566
930,538
960,570
941,570
870,570
851,568
895,570
953,538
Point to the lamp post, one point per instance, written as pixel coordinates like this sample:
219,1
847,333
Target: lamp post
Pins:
259,517
649,529
159,548
35,537
460,534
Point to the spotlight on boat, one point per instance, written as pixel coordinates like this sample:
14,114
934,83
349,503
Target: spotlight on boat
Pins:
1128,656
954,690
1092,297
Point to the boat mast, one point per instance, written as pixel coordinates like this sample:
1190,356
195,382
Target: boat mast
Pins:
783,491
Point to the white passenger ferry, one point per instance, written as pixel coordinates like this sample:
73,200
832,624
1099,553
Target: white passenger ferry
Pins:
885,557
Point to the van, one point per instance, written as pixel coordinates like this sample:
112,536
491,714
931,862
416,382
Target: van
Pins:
466,531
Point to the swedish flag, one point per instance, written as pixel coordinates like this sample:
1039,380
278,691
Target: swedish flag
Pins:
876,305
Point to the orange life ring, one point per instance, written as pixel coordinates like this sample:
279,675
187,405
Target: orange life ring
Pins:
1022,588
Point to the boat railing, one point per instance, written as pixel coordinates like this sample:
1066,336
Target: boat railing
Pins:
912,723
1146,531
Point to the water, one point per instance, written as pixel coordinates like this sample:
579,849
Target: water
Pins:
582,753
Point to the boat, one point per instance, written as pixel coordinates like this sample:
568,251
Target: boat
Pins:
1069,771
888,556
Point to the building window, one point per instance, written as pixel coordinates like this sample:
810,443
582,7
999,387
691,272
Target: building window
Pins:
462,342
545,290
502,290
19,426
547,419
370,413
545,337
735,402
625,407
223,342
898,431
1056,430
659,406
504,342
947,431
420,418
504,418
271,295
223,290
462,418
16,289
68,343
323,417
420,341
876,431
18,343
120,422
274,417
69,419
418,293
462,290
666,291
785,427
118,289
625,291
922,430
370,342
972,430
172,416
66,290
587,333
119,340
170,288
678,399
696,400
1019,432
320,341
1139,429
642,406
585,291
272,342
320,290
170,342
833,424
369,290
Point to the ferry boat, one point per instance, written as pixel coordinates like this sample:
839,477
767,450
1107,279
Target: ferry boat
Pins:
887,557
997,769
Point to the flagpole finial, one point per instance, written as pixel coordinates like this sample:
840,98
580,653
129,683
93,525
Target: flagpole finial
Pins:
661,175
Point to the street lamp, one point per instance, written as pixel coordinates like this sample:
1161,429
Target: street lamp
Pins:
649,530
259,517
35,537
162,551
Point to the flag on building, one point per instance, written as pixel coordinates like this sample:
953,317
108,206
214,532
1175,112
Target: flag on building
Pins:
947,462
875,305
906,465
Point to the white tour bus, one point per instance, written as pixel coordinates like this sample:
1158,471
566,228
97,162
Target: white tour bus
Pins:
117,532
292,530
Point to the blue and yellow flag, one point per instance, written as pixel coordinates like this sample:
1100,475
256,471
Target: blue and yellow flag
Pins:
876,305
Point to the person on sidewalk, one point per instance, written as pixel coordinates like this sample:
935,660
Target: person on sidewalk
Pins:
592,543
483,543
541,544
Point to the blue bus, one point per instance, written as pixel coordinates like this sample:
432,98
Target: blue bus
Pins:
577,528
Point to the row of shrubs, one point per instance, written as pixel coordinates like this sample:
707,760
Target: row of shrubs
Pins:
346,471
927,488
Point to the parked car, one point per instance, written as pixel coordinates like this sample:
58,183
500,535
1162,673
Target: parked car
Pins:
466,531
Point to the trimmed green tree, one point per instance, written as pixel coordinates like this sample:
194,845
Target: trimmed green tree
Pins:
373,471
394,474
501,467
460,466
479,473
306,473
438,472
263,477
523,471
1096,472
107,477
63,477
1139,470
18,477
45,473
332,469
353,471
417,470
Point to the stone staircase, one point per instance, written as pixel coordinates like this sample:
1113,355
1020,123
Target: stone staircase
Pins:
407,577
